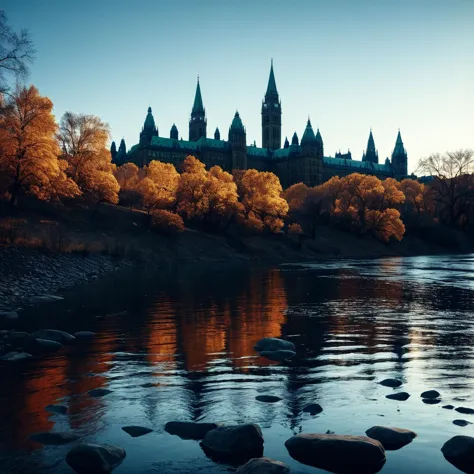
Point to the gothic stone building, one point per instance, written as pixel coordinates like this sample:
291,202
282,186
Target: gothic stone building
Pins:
301,161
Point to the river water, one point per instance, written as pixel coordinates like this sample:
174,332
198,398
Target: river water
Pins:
179,346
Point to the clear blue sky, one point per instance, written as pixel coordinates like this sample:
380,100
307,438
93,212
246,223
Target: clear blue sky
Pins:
349,64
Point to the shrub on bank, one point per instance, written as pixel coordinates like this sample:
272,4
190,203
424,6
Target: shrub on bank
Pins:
167,221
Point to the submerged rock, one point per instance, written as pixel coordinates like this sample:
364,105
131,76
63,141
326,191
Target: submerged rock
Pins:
393,383
400,396
84,334
391,438
431,401
45,298
459,451
135,431
48,344
448,407
234,443
267,398
95,458
313,409
99,392
272,344
430,394
58,409
54,438
278,356
189,429
9,314
54,335
16,356
462,422
338,453
263,466
465,411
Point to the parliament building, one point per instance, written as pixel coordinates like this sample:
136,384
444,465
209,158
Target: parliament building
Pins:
299,161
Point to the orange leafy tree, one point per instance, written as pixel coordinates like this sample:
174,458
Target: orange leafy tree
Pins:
29,150
128,176
84,139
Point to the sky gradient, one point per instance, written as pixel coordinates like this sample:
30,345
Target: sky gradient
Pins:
350,65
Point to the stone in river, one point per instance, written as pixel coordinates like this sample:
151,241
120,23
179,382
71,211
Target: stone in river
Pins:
45,298
431,401
234,443
54,438
263,466
84,334
459,451
54,335
448,407
189,429
400,396
313,409
135,431
16,356
59,409
393,383
9,314
271,344
465,411
99,392
391,438
278,356
338,453
48,344
95,458
267,398
462,422
430,394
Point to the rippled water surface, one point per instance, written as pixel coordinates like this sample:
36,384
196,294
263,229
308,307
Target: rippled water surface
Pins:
180,347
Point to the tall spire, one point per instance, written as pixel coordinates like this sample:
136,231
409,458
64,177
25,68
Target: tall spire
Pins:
371,153
308,135
271,88
198,122
197,106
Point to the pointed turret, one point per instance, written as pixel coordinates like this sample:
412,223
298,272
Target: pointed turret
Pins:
271,88
271,115
113,151
237,124
217,134
319,139
400,158
149,129
198,122
371,153
308,135
287,143
238,143
294,140
174,132
121,156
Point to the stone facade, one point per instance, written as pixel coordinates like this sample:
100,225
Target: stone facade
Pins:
296,162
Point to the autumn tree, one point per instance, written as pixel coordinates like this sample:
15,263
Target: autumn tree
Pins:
16,51
128,176
29,150
83,140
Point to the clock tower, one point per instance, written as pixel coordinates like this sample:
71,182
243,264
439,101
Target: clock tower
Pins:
271,115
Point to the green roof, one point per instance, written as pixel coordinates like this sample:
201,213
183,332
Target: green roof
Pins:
399,148
198,106
149,120
237,123
308,135
271,88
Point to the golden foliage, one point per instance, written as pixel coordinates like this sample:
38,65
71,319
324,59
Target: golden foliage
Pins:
385,224
167,221
295,229
28,148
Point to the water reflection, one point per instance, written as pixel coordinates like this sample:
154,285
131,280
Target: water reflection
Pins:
181,347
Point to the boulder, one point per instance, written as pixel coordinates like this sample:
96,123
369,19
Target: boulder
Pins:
16,356
393,383
136,431
272,344
58,409
462,422
313,409
431,401
459,451
278,356
54,335
95,458
48,344
400,396
263,466
338,453
234,443
189,429
84,334
45,298
465,411
99,392
9,314
54,438
430,394
267,398
448,407
391,438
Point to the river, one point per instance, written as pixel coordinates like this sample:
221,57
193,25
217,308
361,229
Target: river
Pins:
179,346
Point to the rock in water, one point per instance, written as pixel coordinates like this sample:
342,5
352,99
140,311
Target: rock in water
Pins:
135,431
313,409
465,411
431,401
45,298
459,451
391,438
54,335
54,439
99,392
16,356
9,314
84,334
462,422
48,344
58,409
263,466
274,344
278,356
430,394
338,453
400,396
95,458
267,398
448,407
188,429
234,443
393,383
